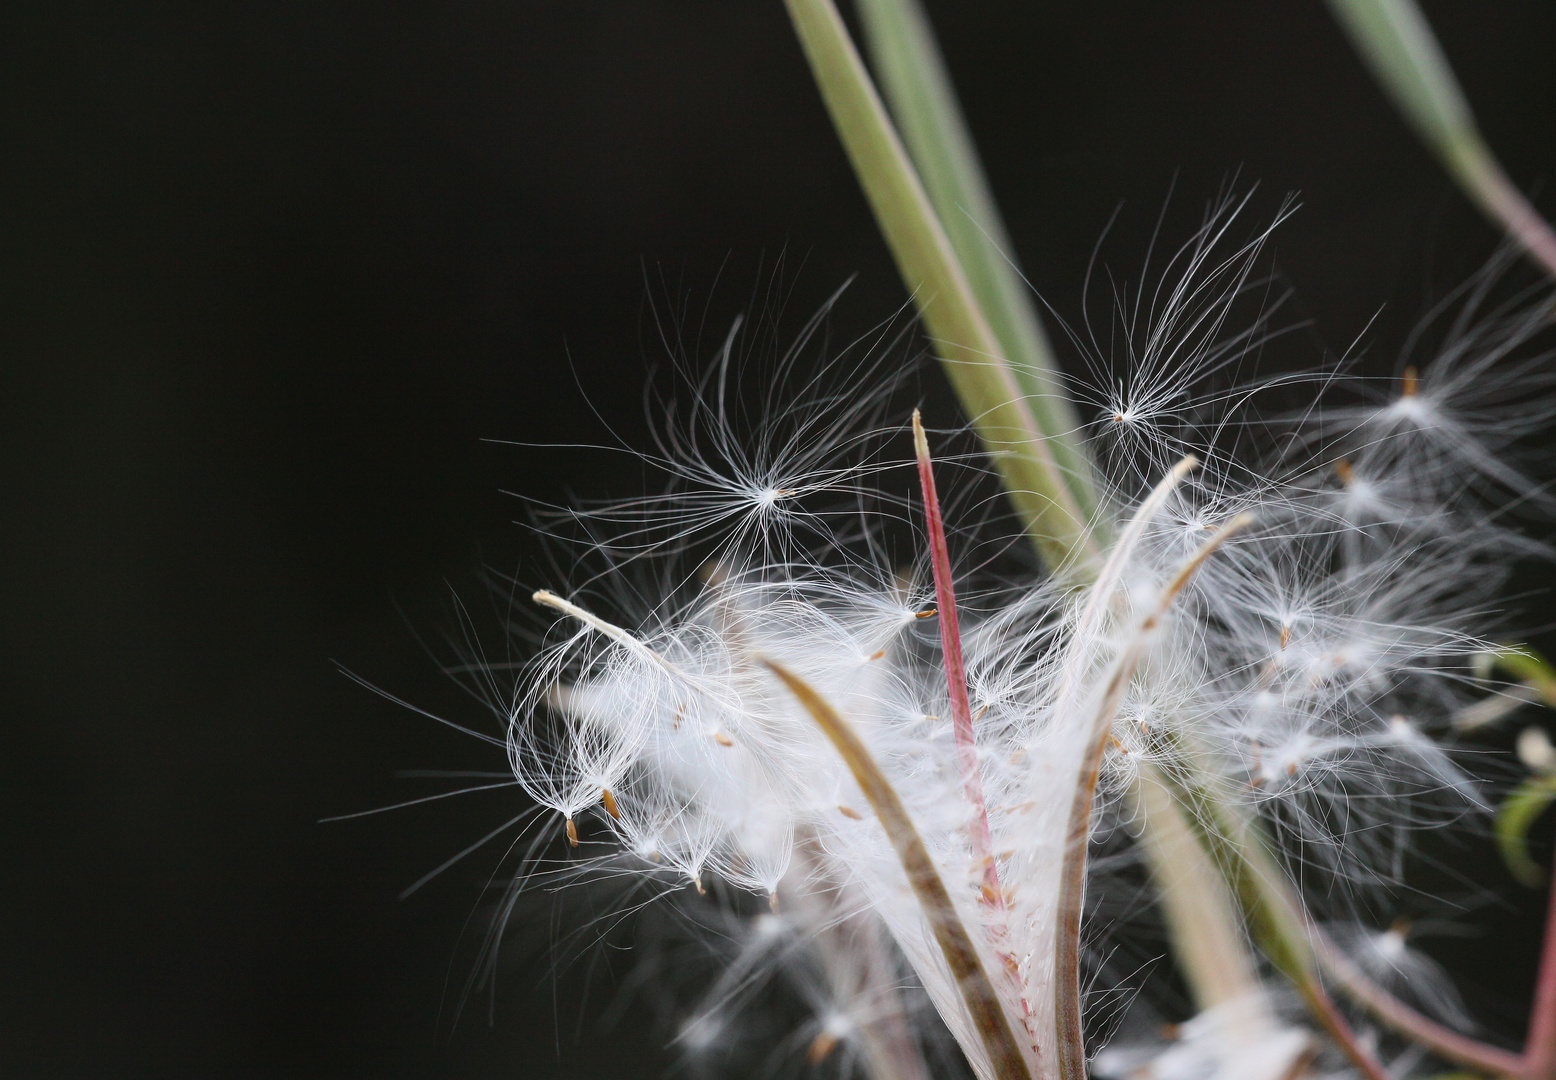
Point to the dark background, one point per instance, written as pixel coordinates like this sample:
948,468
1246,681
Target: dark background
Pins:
273,271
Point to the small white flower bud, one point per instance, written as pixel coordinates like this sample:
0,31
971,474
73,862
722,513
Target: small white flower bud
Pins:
1535,750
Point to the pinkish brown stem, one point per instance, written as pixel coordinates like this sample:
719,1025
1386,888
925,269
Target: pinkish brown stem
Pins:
1501,200
1540,1049
962,722
1323,1009
1441,1040
955,669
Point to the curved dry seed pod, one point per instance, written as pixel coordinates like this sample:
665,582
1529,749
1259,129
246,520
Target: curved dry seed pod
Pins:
1006,1058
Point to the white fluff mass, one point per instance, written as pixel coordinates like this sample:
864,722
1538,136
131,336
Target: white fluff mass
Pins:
1310,668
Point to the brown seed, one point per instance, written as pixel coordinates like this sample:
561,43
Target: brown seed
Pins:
610,804
877,656
821,1047
1409,382
572,832
723,739
850,812
927,613
1343,470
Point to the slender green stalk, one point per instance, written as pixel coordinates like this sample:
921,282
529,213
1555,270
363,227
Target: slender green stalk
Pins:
1275,917
972,354
913,77
1202,919
1397,42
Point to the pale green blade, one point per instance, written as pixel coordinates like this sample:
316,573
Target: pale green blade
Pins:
1210,942
1395,39
971,352
917,86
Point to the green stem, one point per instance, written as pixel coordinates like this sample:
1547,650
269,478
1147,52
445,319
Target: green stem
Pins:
1395,39
946,241
917,86
1202,920
973,357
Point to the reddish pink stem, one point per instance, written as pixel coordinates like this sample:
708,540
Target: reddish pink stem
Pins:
961,717
1540,1048
1443,1041
1334,1023
955,669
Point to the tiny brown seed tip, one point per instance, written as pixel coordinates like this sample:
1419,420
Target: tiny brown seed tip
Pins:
821,1047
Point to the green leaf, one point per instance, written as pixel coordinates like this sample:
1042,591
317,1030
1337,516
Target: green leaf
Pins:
1527,666
1515,817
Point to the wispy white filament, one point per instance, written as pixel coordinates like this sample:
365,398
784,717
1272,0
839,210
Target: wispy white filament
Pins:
1310,666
